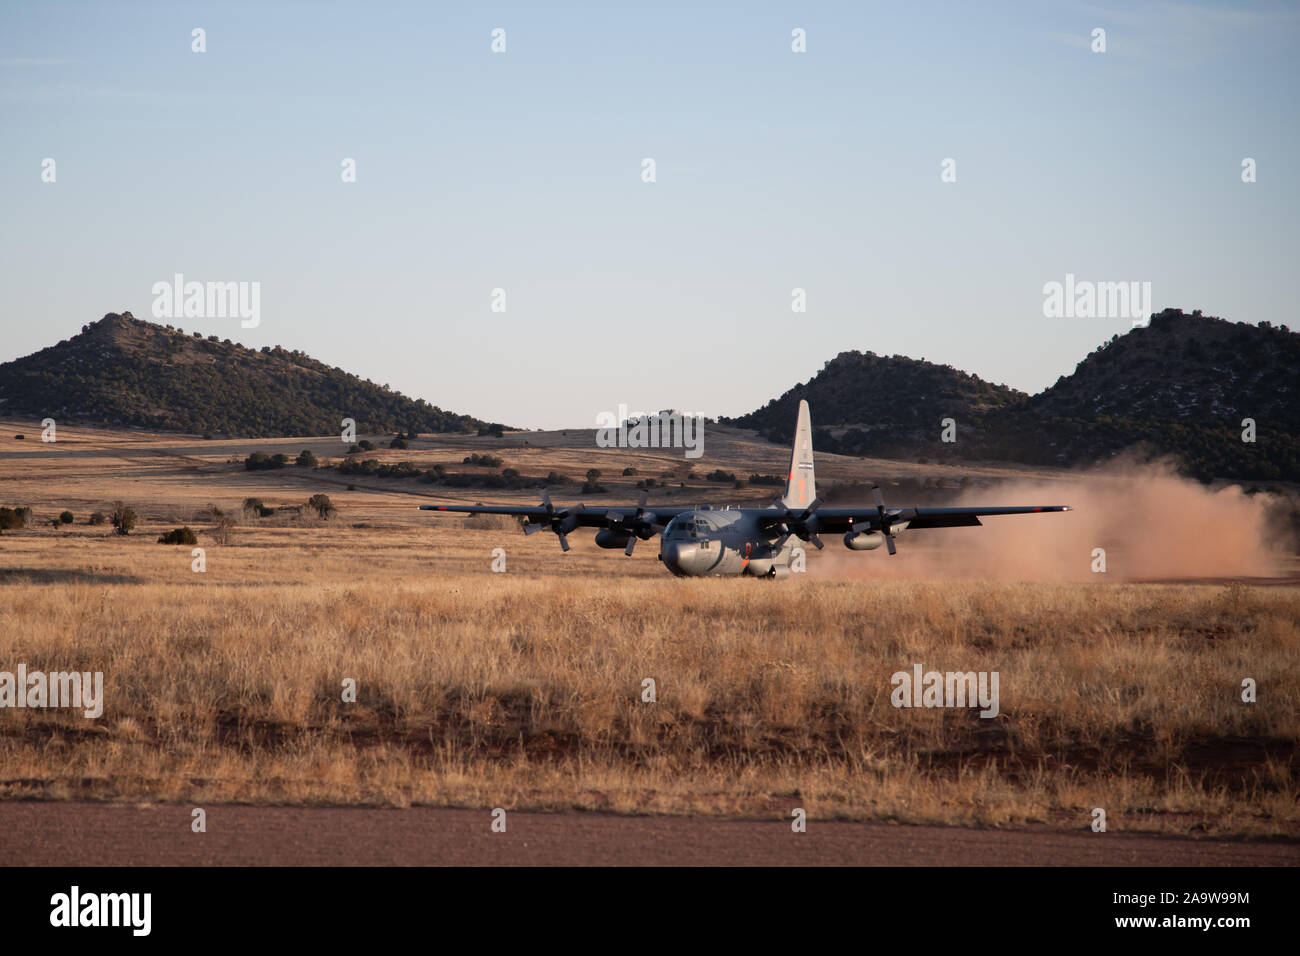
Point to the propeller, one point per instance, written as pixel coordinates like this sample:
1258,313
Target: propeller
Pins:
804,525
637,526
886,519
561,522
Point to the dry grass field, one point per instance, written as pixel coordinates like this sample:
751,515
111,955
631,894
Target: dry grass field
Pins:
524,689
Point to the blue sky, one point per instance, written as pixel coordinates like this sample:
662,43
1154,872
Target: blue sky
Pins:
522,171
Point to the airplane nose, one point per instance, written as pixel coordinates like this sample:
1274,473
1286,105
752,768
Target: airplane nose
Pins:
669,553
681,557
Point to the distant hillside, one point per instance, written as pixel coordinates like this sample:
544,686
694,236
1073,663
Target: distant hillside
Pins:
1187,368
889,403
1180,386
121,371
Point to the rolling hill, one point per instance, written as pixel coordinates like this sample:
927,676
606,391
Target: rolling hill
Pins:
121,371
1179,387
1182,386
891,404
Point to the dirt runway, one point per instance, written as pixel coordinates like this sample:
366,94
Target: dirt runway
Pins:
87,834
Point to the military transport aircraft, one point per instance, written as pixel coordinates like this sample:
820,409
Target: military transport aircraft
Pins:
717,541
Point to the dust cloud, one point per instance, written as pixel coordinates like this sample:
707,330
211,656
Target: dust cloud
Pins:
1152,524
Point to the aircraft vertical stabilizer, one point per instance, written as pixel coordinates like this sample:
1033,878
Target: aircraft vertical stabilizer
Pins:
800,486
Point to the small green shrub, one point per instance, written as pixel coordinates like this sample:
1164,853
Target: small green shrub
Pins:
322,505
178,536
123,518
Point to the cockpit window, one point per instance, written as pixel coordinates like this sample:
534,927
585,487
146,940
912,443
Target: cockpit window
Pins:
682,529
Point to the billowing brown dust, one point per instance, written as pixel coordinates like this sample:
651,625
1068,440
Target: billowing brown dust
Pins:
1150,523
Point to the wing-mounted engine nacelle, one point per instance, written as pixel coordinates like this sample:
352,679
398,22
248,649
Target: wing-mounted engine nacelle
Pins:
863,540
612,538
767,568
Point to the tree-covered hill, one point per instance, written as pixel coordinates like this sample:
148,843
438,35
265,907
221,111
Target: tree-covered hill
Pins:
888,402
121,371
1183,386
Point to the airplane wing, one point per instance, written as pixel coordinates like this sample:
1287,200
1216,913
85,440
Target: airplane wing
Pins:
844,519
633,521
585,516
811,521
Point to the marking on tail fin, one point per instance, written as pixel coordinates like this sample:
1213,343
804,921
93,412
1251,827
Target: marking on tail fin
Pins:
799,492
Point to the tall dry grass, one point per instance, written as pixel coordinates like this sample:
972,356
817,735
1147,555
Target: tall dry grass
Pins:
524,689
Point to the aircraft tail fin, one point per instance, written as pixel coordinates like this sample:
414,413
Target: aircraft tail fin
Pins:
800,484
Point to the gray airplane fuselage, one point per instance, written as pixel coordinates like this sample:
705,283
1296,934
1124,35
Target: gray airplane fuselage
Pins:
721,542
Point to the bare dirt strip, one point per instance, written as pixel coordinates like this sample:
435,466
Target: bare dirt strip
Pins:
87,834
